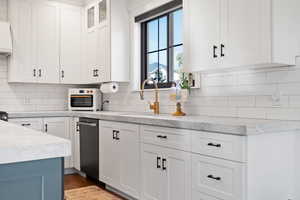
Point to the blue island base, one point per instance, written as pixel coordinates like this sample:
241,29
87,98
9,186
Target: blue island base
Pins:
34,180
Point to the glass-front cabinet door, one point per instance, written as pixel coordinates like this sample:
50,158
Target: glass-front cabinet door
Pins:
97,14
90,17
102,12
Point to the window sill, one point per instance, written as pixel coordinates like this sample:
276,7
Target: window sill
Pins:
160,89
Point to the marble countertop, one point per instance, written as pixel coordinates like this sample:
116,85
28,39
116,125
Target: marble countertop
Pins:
225,125
19,144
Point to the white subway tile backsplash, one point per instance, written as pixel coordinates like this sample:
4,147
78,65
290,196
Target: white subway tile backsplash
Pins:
294,101
288,76
259,113
267,101
252,79
243,94
289,88
284,113
241,101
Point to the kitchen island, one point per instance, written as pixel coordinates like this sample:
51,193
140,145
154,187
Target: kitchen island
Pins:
31,164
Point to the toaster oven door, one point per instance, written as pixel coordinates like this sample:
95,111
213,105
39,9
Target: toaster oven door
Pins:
81,101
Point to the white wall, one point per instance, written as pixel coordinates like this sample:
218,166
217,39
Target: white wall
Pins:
28,97
236,94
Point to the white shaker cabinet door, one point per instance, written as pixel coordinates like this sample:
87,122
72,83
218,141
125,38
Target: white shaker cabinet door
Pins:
60,127
70,44
129,159
176,166
246,31
202,34
286,31
21,64
91,55
109,155
46,43
152,176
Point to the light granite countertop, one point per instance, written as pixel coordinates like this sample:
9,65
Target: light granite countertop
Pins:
19,144
225,125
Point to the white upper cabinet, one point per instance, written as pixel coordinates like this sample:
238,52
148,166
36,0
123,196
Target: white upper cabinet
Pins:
70,44
202,33
46,41
21,62
107,41
245,32
227,33
286,31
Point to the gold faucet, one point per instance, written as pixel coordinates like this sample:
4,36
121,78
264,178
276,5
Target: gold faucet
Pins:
153,106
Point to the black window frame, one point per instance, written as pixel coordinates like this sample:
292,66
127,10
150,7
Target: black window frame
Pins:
170,56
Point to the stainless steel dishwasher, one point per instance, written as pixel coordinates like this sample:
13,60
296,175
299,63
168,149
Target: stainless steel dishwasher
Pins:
89,147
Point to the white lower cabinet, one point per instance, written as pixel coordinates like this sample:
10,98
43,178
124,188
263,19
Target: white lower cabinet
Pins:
59,127
166,173
32,123
76,144
218,178
120,157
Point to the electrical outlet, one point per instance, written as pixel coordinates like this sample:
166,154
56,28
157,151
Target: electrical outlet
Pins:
276,98
27,100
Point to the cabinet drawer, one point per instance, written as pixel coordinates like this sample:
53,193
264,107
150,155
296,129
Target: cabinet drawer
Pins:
201,196
218,178
219,145
31,123
167,137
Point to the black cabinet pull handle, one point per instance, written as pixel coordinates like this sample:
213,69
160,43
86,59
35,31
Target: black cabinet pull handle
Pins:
46,128
34,73
215,50
222,50
26,124
77,127
96,73
164,164
40,72
214,145
62,74
162,136
117,135
114,134
214,178
158,162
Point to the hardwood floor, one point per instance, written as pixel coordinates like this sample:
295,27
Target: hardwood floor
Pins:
75,181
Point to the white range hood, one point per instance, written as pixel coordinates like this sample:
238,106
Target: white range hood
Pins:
5,39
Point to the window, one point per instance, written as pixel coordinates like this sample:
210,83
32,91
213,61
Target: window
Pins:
162,48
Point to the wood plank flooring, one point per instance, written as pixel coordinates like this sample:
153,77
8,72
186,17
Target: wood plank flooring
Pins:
75,181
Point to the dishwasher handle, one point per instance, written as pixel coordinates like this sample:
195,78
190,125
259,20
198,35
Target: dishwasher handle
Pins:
87,124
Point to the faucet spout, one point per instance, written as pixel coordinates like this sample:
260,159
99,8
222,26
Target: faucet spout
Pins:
155,105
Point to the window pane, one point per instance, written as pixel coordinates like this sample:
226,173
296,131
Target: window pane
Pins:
163,67
178,27
177,61
152,65
152,41
163,33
